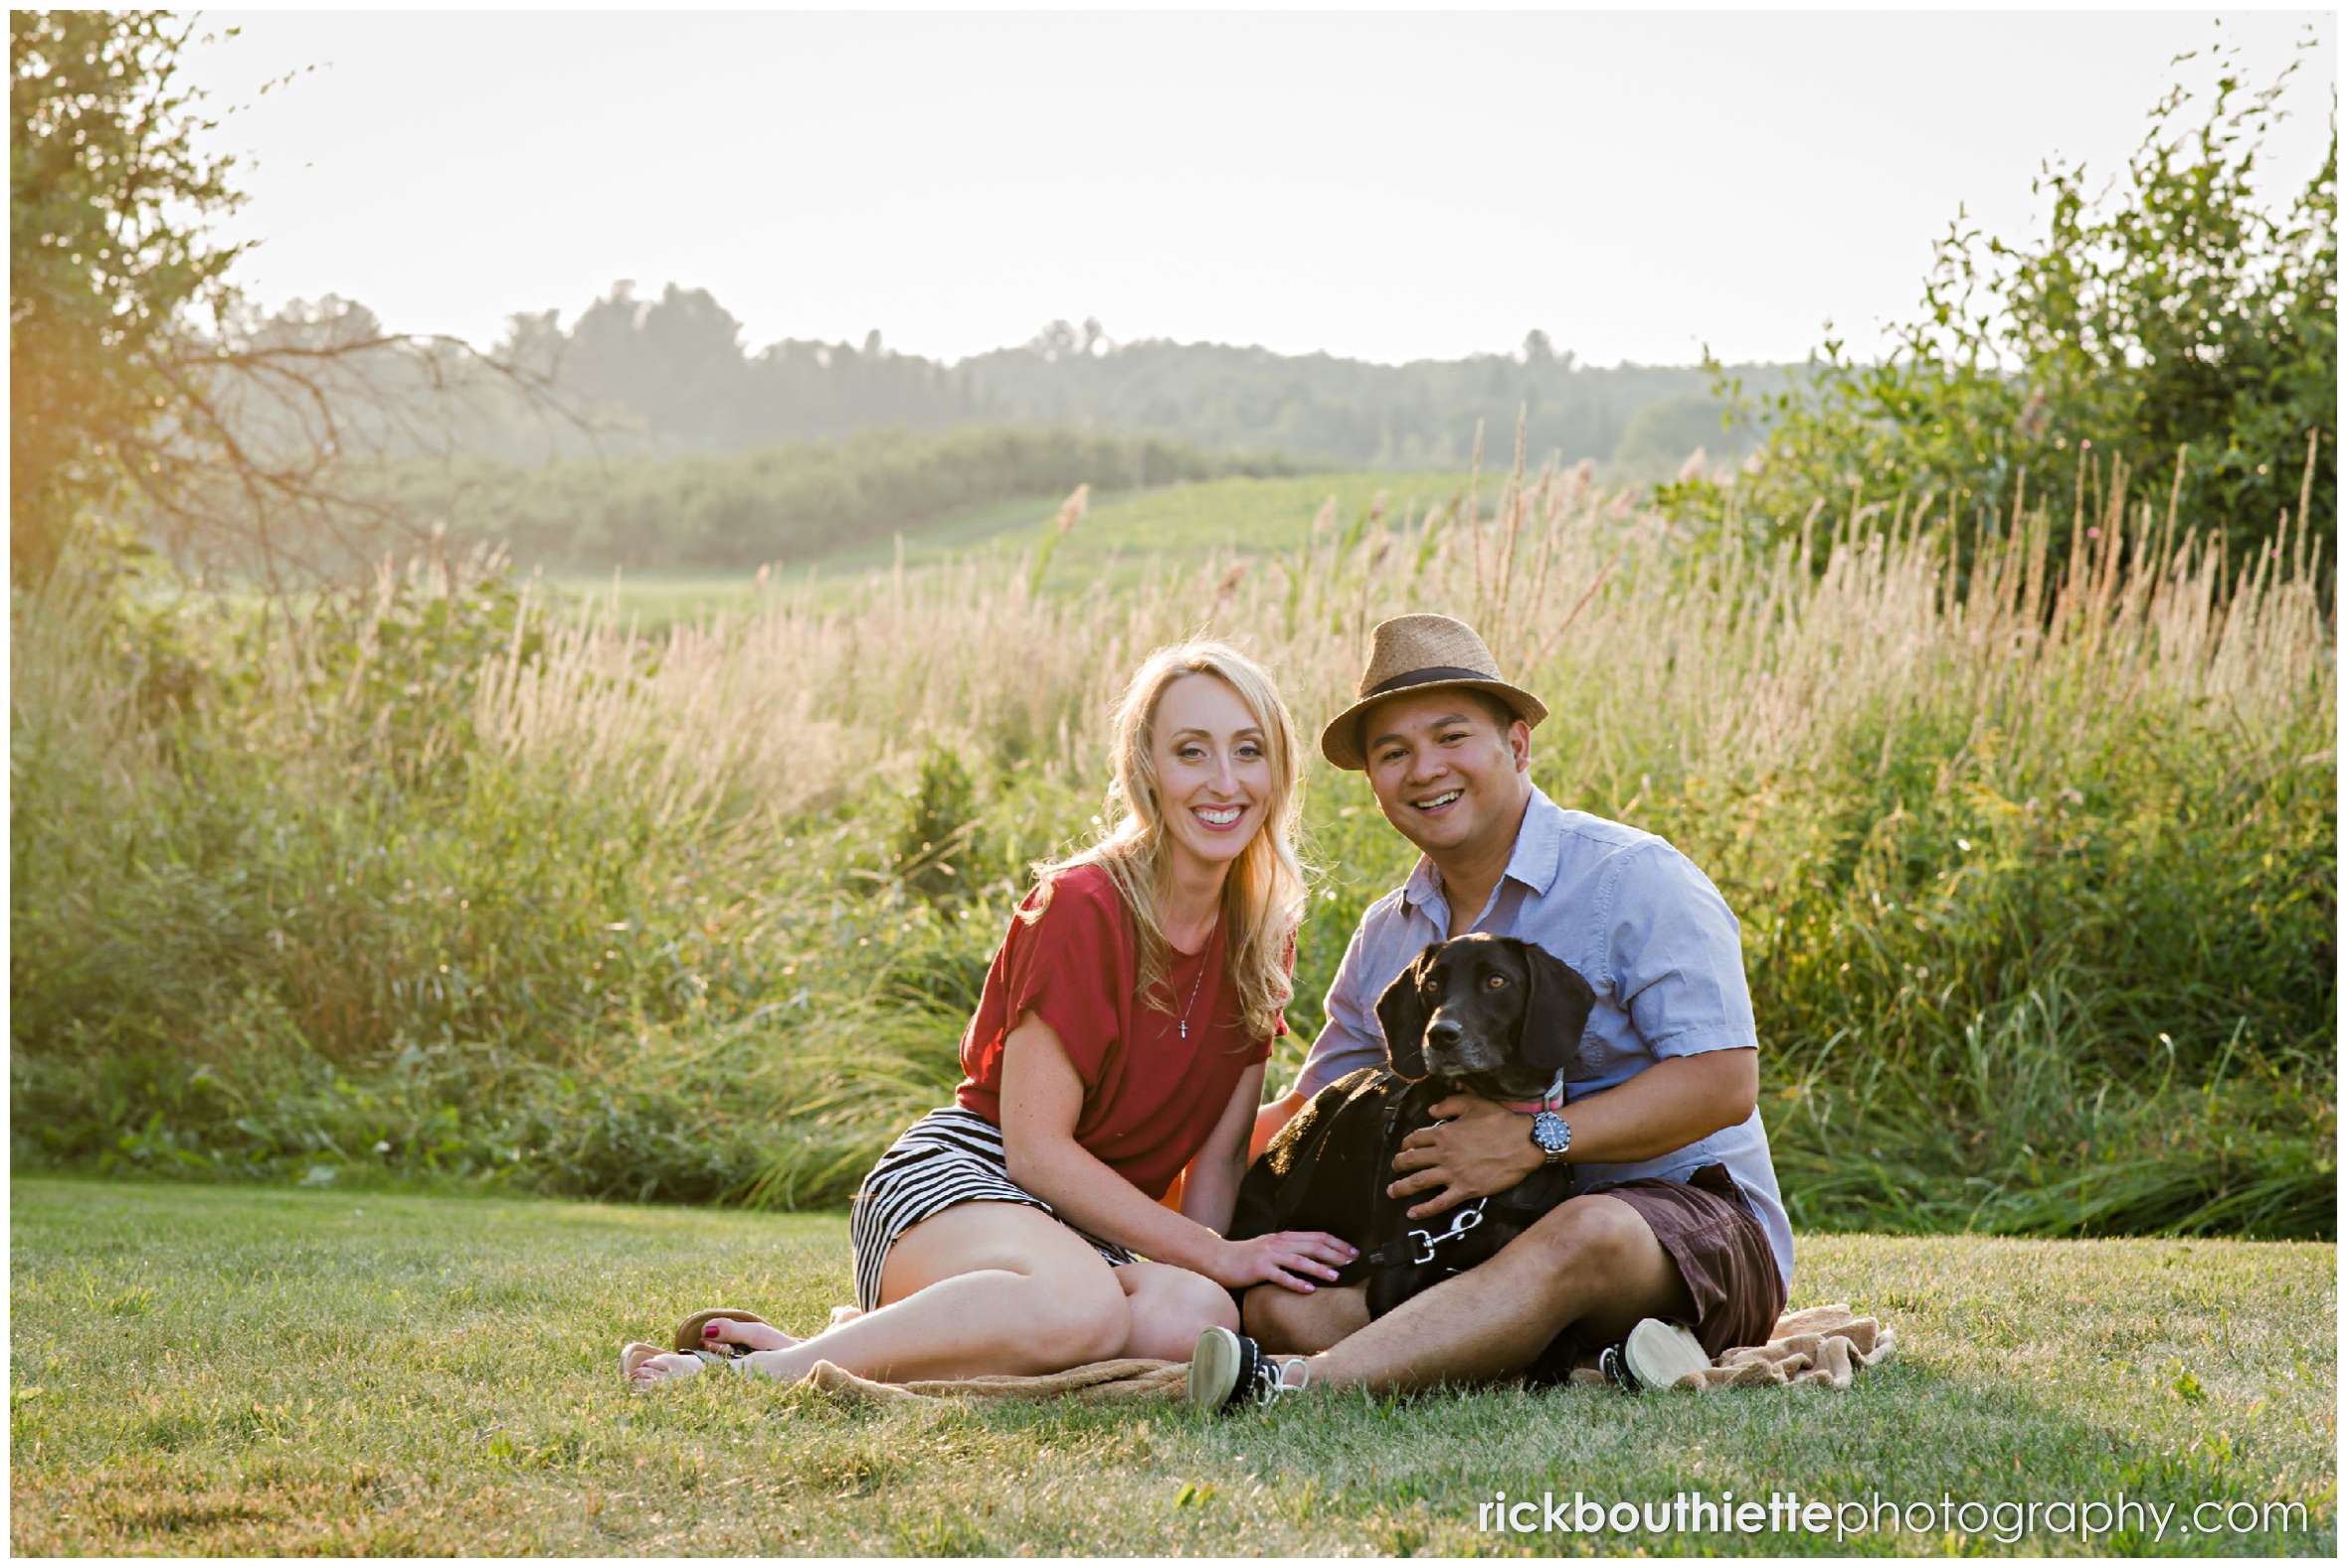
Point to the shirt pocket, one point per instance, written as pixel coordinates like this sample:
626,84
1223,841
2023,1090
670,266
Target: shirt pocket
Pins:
1595,1053
1608,1051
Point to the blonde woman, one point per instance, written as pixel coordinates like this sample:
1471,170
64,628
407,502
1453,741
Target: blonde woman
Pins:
1119,1042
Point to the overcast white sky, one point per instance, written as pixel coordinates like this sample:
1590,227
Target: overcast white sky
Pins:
1386,186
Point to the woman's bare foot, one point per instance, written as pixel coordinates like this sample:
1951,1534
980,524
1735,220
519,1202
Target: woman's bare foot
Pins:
643,1364
751,1336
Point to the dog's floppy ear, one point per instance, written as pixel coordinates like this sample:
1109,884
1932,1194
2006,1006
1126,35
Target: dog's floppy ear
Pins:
1402,1014
1556,1003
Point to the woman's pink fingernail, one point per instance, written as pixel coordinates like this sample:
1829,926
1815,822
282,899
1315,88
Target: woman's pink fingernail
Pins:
708,1330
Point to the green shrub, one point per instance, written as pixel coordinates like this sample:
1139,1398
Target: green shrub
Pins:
935,848
2170,332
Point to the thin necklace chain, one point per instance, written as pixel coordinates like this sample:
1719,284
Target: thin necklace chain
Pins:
1182,1023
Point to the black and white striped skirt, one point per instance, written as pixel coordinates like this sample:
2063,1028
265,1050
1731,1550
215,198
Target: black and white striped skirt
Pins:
948,1156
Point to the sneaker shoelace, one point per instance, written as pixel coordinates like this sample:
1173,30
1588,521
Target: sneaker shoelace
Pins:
1271,1381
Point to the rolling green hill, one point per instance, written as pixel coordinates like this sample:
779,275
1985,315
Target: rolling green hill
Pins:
1116,537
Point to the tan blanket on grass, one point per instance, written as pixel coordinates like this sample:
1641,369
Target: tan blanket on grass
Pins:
1098,1380
1827,1346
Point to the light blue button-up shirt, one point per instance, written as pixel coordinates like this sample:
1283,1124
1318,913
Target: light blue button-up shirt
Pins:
1650,934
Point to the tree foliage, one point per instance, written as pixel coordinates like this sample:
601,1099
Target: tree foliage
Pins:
2168,312
110,261
673,375
146,394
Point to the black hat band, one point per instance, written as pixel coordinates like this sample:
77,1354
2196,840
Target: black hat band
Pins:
1427,677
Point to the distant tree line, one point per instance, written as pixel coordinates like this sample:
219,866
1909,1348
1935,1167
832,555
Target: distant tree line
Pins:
671,375
1419,415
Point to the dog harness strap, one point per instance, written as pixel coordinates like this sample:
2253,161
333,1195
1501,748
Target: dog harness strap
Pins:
1391,1255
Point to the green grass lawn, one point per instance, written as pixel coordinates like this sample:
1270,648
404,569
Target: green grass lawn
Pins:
224,1370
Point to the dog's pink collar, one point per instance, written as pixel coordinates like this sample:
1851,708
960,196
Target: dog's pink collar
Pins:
1554,1099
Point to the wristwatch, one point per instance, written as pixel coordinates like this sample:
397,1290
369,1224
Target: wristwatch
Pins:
1552,1137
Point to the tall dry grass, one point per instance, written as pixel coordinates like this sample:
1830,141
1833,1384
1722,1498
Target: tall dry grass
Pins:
1723,664
2036,857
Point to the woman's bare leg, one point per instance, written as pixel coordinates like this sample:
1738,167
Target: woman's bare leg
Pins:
980,1288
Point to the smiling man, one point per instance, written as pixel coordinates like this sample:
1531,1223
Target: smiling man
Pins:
1675,1246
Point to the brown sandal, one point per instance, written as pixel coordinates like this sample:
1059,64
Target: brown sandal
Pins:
690,1338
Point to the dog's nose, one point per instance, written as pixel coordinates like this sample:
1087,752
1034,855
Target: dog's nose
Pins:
1444,1032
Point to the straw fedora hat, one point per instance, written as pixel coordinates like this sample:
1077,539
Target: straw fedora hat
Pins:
1417,652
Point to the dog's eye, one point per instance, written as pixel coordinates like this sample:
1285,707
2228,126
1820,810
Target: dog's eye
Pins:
1496,982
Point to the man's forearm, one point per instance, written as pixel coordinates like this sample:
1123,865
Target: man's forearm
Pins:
1671,1104
1483,1149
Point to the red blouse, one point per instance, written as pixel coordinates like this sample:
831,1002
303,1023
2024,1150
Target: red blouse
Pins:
1150,1097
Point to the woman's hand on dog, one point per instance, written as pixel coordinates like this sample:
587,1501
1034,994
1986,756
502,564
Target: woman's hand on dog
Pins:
1477,1150
1298,1259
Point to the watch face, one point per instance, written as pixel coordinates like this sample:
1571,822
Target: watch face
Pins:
1548,1131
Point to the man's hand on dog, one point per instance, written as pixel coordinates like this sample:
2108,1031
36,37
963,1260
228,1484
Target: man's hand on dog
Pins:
1478,1150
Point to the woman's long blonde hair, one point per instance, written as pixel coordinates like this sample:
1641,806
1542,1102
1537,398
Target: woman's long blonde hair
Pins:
1263,896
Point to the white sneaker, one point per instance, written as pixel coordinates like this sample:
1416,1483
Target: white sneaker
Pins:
1229,1370
1656,1354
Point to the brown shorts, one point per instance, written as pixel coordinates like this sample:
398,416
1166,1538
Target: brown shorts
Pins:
1723,1256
